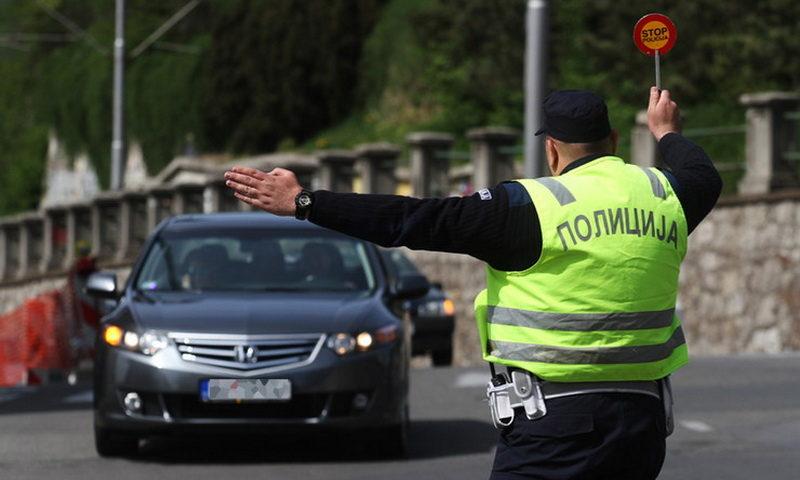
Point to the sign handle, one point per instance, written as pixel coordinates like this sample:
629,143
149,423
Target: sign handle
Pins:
658,70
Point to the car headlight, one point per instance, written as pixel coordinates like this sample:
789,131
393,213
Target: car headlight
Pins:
148,343
436,308
344,343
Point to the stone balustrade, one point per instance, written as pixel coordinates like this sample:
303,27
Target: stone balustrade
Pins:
113,226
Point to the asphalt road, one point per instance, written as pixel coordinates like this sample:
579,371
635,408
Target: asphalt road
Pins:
737,418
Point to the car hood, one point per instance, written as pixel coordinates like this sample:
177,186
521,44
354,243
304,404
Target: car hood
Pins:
253,314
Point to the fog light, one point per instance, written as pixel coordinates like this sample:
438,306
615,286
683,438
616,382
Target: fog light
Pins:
360,401
132,402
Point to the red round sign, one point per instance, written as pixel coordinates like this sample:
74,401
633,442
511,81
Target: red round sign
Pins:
654,32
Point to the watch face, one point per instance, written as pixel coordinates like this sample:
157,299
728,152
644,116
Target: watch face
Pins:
304,200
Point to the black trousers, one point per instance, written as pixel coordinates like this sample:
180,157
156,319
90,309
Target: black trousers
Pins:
609,436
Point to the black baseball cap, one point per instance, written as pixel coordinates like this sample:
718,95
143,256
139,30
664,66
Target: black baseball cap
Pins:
575,116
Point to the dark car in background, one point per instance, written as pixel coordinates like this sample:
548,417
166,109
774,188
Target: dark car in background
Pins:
248,322
432,316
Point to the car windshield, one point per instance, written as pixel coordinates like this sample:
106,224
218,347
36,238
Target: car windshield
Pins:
255,260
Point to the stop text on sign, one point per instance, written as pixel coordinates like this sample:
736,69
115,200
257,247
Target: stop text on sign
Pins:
655,32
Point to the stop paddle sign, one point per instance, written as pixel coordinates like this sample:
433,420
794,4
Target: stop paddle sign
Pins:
655,35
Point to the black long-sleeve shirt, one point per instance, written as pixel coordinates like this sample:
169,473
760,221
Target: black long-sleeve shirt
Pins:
498,225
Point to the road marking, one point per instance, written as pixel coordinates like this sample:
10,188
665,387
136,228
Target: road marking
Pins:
472,379
82,397
696,426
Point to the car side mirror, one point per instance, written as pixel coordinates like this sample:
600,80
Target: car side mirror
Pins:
410,286
102,285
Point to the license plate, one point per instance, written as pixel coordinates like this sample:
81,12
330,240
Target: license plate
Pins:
245,390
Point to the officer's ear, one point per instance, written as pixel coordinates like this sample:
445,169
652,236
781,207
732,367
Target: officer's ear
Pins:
552,154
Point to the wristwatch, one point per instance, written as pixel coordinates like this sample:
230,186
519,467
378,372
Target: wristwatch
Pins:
302,204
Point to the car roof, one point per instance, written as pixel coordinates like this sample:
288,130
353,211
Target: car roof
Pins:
237,220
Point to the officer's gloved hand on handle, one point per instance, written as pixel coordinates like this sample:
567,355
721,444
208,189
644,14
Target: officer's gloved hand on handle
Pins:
272,191
663,116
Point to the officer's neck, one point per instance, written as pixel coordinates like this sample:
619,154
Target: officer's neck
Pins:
578,162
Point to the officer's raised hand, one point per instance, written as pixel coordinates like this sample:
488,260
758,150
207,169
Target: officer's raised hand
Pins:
663,116
273,191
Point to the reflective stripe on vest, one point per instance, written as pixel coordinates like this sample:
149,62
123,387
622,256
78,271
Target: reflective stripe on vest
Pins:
562,194
658,189
527,352
580,322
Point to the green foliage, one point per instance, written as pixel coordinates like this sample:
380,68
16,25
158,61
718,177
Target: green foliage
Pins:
254,75
282,72
460,64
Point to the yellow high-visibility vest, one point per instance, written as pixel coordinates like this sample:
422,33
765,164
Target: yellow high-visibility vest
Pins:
599,304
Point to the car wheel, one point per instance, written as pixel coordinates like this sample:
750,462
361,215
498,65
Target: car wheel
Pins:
109,443
392,441
443,358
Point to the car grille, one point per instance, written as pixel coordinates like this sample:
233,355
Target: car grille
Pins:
248,352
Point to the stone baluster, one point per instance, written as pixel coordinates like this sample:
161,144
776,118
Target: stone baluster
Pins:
80,232
106,225
160,203
429,163
376,163
769,135
56,238
4,250
217,197
644,148
188,198
133,224
336,170
31,245
491,163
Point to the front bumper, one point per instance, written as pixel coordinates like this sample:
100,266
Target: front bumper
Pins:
322,393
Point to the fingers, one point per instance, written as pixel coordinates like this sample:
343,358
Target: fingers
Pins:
664,99
243,179
654,94
241,188
251,172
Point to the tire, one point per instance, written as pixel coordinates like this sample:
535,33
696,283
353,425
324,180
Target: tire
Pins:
109,443
443,358
392,442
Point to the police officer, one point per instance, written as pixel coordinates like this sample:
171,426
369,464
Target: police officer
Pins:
581,285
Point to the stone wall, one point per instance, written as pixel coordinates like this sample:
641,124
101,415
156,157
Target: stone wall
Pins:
740,282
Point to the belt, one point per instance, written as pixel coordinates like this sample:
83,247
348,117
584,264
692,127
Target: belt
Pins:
566,389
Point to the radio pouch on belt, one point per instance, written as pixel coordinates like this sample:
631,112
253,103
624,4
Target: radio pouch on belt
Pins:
524,387
528,390
500,401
